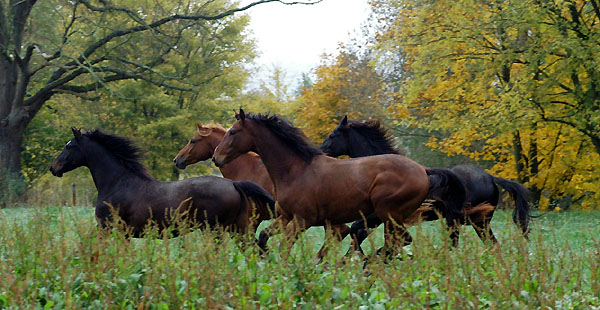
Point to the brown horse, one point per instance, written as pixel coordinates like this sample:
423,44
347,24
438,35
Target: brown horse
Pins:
367,138
127,189
314,189
246,167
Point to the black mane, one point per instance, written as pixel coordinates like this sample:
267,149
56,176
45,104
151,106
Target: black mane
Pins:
380,138
126,152
289,135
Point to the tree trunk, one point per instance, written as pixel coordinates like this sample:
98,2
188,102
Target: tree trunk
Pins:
11,141
519,158
13,116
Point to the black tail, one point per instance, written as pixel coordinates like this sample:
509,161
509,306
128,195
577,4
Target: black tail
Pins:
446,188
261,197
520,195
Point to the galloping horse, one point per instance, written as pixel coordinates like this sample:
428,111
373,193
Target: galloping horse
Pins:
123,183
246,167
315,190
358,139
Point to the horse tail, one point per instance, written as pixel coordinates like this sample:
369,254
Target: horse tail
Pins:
447,188
261,198
519,194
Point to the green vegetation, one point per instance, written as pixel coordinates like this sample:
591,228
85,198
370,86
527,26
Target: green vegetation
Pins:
55,258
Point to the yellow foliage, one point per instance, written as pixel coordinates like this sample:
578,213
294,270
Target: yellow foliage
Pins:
345,85
503,82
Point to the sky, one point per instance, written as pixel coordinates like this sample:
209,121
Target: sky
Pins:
294,37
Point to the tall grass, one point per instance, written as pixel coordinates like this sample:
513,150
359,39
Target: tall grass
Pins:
56,258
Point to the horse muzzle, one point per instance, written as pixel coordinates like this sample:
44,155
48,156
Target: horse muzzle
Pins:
219,162
179,162
55,171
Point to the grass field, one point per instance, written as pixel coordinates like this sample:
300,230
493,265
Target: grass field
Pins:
54,258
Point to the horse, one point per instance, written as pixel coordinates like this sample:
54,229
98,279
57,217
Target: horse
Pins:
360,138
317,190
125,188
246,167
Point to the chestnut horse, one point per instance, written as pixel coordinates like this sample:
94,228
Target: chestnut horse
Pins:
315,190
246,167
124,184
368,138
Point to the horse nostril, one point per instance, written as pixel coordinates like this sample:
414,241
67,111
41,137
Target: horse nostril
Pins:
213,160
175,160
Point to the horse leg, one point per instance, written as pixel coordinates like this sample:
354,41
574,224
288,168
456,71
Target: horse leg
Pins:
480,217
453,228
396,236
274,228
339,232
292,230
360,231
484,231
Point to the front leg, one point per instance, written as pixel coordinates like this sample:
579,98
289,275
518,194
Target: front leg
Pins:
339,231
292,230
104,215
274,228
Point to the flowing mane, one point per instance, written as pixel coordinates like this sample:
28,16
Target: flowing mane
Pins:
126,152
379,137
288,134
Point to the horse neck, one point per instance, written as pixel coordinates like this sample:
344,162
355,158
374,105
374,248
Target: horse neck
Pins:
361,146
214,139
238,168
106,171
281,161
232,169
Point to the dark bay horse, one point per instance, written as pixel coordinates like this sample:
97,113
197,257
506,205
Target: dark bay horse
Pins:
124,183
315,190
246,167
358,139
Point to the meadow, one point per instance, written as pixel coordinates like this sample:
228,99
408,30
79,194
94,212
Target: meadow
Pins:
55,258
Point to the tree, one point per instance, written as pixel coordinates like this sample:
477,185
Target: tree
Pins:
79,47
271,95
513,76
345,84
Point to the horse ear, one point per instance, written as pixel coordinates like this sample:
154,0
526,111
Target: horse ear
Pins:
76,133
344,121
204,131
200,127
242,115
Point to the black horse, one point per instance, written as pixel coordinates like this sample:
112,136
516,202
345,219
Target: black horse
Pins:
124,184
357,139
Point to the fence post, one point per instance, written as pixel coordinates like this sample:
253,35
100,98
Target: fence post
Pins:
73,195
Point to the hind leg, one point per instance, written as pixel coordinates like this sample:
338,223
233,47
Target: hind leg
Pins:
360,231
481,220
454,229
396,236
484,231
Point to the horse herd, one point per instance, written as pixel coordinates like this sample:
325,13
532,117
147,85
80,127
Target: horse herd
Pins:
264,158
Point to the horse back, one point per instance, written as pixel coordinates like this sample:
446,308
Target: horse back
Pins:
345,189
479,184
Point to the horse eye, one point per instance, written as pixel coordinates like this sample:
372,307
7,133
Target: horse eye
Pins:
232,132
192,141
